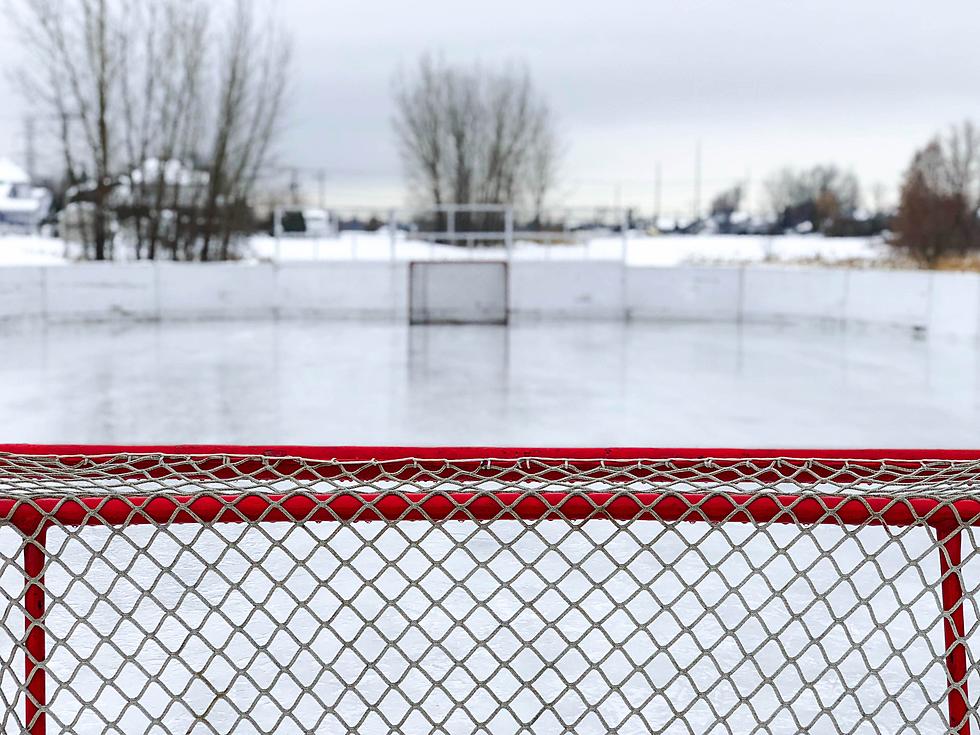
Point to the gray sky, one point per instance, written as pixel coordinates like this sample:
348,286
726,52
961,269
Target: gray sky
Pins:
761,83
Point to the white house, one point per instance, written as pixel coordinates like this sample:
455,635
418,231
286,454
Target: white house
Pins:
22,204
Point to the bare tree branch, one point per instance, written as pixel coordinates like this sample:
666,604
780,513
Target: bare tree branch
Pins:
472,135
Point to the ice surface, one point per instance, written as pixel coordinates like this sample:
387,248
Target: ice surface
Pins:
204,589
531,384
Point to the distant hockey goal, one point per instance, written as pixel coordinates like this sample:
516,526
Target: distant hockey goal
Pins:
486,590
458,292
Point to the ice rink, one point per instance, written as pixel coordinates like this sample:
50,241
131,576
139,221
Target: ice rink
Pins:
799,629
581,384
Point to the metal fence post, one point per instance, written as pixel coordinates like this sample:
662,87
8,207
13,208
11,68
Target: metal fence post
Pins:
392,233
277,231
624,226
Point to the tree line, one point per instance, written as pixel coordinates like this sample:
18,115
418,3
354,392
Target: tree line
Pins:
472,134
937,218
824,198
166,113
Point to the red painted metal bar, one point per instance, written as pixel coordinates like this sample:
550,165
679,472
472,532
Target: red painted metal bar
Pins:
190,462
34,674
726,507
365,453
950,559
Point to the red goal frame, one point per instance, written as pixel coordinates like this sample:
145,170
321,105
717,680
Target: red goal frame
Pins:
946,517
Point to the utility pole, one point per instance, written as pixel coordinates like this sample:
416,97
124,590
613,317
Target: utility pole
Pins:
294,186
321,182
697,182
657,191
747,192
30,151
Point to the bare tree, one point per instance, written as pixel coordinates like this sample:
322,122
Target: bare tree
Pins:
727,202
960,150
823,196
940,198
78,51
926,210
159,127
542,167
468,134
254,63
162,107
420,129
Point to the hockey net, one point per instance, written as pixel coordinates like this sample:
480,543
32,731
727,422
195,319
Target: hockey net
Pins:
298,590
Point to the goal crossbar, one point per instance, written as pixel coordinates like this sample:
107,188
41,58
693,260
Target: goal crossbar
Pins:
66,487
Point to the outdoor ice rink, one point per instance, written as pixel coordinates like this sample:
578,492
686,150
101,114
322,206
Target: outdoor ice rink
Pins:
578,384
781,604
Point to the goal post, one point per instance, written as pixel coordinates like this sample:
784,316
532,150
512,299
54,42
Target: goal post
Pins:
458,292
152,589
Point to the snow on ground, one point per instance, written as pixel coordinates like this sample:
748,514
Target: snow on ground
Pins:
678,249
640,250
30,250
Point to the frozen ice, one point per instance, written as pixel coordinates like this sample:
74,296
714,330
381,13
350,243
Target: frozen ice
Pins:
579,384
534,383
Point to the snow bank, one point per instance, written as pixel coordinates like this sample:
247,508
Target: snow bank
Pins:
30,250
641,250
685,250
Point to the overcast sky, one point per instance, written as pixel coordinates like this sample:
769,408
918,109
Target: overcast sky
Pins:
761,83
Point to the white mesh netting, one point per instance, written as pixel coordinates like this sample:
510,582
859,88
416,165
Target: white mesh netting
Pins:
178,593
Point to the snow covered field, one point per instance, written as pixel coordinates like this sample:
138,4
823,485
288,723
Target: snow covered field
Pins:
640,249
30,250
